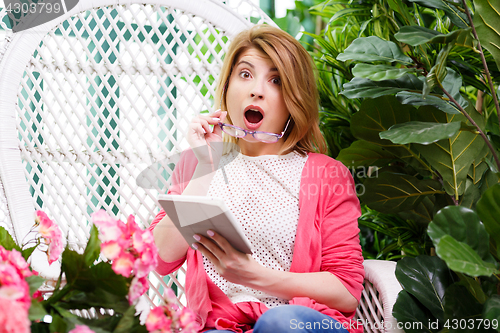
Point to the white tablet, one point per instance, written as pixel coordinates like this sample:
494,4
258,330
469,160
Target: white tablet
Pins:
193,214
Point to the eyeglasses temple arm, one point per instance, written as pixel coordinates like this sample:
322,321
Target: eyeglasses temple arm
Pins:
283,133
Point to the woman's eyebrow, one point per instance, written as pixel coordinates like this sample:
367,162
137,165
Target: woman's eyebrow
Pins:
274,69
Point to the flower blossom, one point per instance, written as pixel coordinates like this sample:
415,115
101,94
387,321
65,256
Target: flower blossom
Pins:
132,250
166,319
81,329
15,299
13,317
51,234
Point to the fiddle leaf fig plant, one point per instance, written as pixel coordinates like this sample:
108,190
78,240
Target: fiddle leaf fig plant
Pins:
428,123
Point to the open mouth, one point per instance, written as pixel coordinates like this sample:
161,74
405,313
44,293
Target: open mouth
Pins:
253,116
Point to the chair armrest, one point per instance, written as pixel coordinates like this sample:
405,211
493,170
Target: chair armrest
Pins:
379,296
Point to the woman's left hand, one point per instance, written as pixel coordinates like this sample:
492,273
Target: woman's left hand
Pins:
233,265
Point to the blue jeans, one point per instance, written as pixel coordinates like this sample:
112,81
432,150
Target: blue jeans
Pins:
294,318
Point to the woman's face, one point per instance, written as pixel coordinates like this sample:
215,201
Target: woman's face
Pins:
254,97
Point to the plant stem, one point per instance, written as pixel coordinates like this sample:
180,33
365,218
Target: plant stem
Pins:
488,143
483,59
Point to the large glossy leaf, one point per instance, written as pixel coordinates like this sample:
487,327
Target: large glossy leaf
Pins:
464,226
486,20
460,306
489,179
420,132
462,258
413,98
488,209
362,88
426,278
378,115
392,192
362,153
412,314
473,286
491,308
381,72
423,213
369,49
455,15
417,35
452,157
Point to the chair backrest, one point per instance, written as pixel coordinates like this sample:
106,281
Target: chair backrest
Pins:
94,106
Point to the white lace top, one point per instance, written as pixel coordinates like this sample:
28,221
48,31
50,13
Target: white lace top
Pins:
263,194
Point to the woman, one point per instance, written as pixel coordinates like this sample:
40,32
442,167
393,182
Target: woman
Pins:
297,207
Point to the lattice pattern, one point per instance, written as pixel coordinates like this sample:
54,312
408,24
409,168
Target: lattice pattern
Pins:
107,94
370,311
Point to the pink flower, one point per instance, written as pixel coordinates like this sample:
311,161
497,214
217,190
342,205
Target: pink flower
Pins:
111,249
110,229
123,264
81,329
138,287
187,320
17,260
13,317
157,321
51,235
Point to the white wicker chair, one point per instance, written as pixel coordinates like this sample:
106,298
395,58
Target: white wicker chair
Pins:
104,91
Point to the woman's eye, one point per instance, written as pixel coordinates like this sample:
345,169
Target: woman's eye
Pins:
276,80
245,75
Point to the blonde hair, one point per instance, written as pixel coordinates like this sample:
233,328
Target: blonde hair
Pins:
298,84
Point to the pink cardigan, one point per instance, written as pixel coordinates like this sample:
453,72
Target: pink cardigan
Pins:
327,240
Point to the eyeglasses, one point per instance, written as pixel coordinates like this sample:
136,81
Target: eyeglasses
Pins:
239,132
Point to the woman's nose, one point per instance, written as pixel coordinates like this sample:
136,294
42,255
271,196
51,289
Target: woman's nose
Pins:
257,89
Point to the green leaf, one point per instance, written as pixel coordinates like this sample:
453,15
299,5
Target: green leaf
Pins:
488,209
460,307
473,287
99,298
455,15
438,72
127,322
26,253
34,283
486,20
491,308
363,153
93,248
417,35
36,310
362,88
369,49
489,179
412,98
381,72
426,278
378,115
412,314
471,195
392,192
462,258
105,278
77,271
7,241
463,225
423,213
420,132
452,157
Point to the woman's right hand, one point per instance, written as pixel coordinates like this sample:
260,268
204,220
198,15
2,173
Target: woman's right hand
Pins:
206,142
